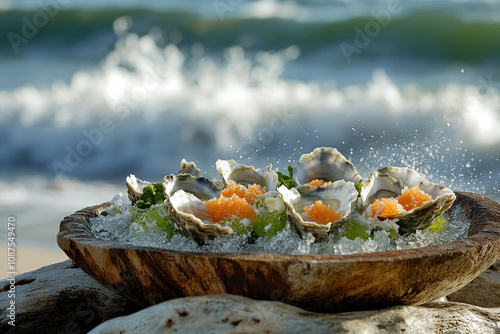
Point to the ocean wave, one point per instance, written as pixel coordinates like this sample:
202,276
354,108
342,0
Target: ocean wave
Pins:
147,107
445,36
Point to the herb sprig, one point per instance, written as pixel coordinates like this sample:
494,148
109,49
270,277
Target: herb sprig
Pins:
287,180
151,195
358,187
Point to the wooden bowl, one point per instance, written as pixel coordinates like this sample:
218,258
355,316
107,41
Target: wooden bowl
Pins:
322,283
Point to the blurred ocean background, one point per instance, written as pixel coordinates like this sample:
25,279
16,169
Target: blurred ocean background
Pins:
91,91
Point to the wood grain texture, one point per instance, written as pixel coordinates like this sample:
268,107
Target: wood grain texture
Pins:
324,283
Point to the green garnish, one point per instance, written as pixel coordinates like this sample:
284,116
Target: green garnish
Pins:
155,216
287,180
151,195
437,225
269,224
264,224
353,230
358,187
104,213
238,227
393,234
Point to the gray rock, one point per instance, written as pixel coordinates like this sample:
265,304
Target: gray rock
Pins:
483,291
62,298
59,298
234,314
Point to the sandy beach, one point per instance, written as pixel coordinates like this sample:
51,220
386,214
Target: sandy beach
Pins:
36,223
29,259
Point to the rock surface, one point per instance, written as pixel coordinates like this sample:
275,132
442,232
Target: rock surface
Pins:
63,299
483,291
234,314
59,298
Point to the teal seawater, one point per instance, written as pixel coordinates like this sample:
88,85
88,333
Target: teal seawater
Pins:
434,36
82,100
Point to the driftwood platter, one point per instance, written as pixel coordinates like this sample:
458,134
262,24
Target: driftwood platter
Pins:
322,283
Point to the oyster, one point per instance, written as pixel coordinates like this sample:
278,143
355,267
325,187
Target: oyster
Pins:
380,186
326,164
189,168
191,215
202,212
389,182
339,194
197,186
185,206
190,180
232,171
135,187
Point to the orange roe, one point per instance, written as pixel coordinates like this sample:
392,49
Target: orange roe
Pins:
389,209
222,208
322,214
413,198
241,191
318,183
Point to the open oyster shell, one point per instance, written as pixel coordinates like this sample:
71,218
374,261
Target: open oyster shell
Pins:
189,168
184,204
191,216
390,181
190,180
232,171
339,194
380,186
135,187
198,186
326,164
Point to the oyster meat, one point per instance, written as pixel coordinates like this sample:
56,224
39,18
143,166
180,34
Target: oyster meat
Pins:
339,195
191,215
186,193
202,212
380,186
391,182
325,164
185,206
232,171
200,187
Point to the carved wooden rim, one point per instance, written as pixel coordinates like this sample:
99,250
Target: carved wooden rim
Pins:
477,252
487,227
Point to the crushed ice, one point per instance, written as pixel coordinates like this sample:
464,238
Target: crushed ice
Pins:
118,227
